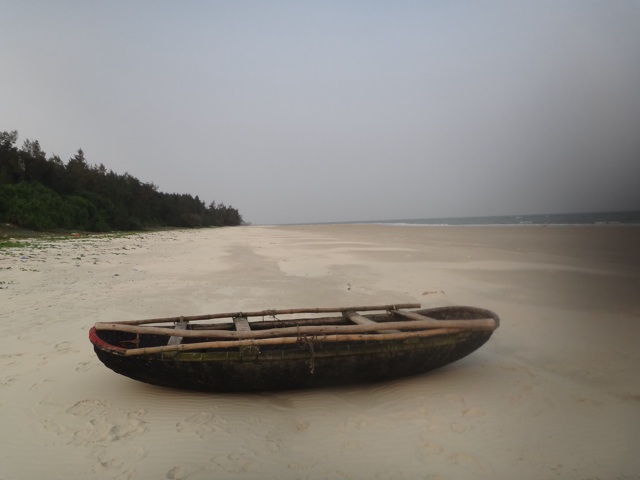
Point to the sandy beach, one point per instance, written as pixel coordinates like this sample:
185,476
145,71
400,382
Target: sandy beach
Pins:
554,394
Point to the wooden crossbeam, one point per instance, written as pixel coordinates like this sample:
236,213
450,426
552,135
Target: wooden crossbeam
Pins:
362,320
242,324
177,340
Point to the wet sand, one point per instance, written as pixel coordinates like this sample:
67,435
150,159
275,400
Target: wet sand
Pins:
555,393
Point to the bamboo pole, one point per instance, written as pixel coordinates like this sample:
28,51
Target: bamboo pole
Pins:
288,341
477,324
272,323
267,313
417,317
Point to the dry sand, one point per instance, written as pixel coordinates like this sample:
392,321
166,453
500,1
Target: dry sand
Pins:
554,394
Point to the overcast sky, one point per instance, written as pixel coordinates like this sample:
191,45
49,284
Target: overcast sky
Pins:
314,111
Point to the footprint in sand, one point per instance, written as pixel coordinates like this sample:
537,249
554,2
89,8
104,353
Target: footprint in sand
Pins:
103,431
467,412
12,357
62,348
355,423
473,412
455,399
427,448
84,367
85,408
8,381
458,428
466,461
353,446
42,383
55,427
523,395
182,472
233,463
300,425
129,474
120,460
432,448
303,462
202,424
105,423
120,428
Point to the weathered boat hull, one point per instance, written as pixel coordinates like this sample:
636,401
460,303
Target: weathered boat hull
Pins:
303,365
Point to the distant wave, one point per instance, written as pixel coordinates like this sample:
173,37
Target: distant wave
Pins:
596,218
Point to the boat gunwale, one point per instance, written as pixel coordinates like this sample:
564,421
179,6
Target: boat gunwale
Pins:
350,332
270,313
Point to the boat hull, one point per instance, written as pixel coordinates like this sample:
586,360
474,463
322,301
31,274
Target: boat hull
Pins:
306,364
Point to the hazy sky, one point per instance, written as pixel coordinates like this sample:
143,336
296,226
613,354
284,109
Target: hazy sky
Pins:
316,111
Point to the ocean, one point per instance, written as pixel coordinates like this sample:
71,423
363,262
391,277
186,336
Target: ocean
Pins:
596,218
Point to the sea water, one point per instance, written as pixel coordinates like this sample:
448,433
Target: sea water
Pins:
596,218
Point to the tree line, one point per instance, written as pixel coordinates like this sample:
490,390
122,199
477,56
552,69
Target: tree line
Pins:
43,193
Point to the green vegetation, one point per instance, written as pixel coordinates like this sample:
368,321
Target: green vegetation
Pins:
9,244
40,193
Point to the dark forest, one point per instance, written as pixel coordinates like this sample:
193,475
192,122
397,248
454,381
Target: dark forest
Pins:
41,193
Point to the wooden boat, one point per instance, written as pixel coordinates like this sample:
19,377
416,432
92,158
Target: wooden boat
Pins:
290,349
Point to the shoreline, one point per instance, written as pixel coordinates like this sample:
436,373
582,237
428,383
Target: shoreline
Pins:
554,393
